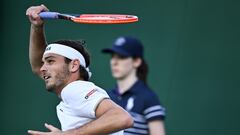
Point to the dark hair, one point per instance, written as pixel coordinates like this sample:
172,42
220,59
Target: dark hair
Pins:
79,46
142,71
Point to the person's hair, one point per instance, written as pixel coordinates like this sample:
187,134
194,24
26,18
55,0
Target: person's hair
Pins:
142,71
79,46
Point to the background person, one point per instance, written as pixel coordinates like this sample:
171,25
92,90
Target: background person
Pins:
132,92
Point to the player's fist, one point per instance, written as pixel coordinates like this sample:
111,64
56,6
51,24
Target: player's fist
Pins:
33,14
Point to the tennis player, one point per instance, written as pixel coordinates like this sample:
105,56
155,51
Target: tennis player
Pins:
85,109
132,92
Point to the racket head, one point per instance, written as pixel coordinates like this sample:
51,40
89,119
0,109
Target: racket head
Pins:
105,18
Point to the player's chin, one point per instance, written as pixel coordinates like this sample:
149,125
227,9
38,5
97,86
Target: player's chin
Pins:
49,88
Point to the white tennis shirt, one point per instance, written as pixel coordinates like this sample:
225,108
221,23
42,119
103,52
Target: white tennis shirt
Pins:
78,105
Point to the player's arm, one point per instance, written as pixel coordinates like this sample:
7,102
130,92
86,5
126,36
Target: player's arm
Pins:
110,118
37,42
156,127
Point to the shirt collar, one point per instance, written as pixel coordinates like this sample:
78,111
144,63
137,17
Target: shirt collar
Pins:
136,87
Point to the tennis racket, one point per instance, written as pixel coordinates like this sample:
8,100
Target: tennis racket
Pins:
91,18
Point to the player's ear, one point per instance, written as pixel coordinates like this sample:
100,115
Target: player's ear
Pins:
137,62
74,65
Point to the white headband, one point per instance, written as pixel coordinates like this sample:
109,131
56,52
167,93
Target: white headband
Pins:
67,52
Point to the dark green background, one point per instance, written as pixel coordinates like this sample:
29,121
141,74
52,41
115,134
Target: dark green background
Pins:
192,48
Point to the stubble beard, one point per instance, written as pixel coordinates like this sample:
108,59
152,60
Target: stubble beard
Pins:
60,80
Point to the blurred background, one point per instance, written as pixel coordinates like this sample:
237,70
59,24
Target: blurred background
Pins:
192,48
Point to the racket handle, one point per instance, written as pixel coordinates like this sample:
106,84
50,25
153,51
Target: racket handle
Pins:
49,15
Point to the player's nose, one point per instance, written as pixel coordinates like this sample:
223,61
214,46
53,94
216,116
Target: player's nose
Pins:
43,68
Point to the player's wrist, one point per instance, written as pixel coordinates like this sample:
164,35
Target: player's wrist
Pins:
38,27
71,132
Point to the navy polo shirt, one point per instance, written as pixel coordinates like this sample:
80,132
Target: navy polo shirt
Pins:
143,105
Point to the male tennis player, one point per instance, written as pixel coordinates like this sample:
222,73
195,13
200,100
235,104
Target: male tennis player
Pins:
85,109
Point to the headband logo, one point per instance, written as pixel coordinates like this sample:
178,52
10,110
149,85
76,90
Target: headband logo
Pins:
48,48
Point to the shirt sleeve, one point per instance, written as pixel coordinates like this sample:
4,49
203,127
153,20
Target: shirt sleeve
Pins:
92,100
153,109
83,101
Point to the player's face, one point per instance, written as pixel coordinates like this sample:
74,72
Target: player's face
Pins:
122,66
54,71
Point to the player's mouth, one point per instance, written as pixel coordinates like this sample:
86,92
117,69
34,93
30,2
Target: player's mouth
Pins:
46,77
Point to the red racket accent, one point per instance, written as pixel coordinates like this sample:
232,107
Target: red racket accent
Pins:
104,18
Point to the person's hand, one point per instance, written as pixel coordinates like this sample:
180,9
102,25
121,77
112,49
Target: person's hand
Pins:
53,131
33,15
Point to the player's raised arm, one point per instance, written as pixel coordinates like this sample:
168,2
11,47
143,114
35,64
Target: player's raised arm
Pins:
37,40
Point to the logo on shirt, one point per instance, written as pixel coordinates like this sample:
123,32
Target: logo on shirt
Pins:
130,104
90,93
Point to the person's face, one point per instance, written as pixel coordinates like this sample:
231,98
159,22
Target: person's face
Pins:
121,66
54,71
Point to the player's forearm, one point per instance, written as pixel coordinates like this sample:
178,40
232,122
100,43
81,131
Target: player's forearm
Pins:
112,121
37,45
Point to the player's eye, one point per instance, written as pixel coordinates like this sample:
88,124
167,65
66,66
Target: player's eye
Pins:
50,61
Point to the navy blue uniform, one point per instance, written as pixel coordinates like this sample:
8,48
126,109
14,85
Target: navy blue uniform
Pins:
142,103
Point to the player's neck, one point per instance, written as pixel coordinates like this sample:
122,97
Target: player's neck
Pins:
59,90
71,78
126,83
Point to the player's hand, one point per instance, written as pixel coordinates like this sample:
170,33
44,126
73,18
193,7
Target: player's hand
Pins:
53,131
33,15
